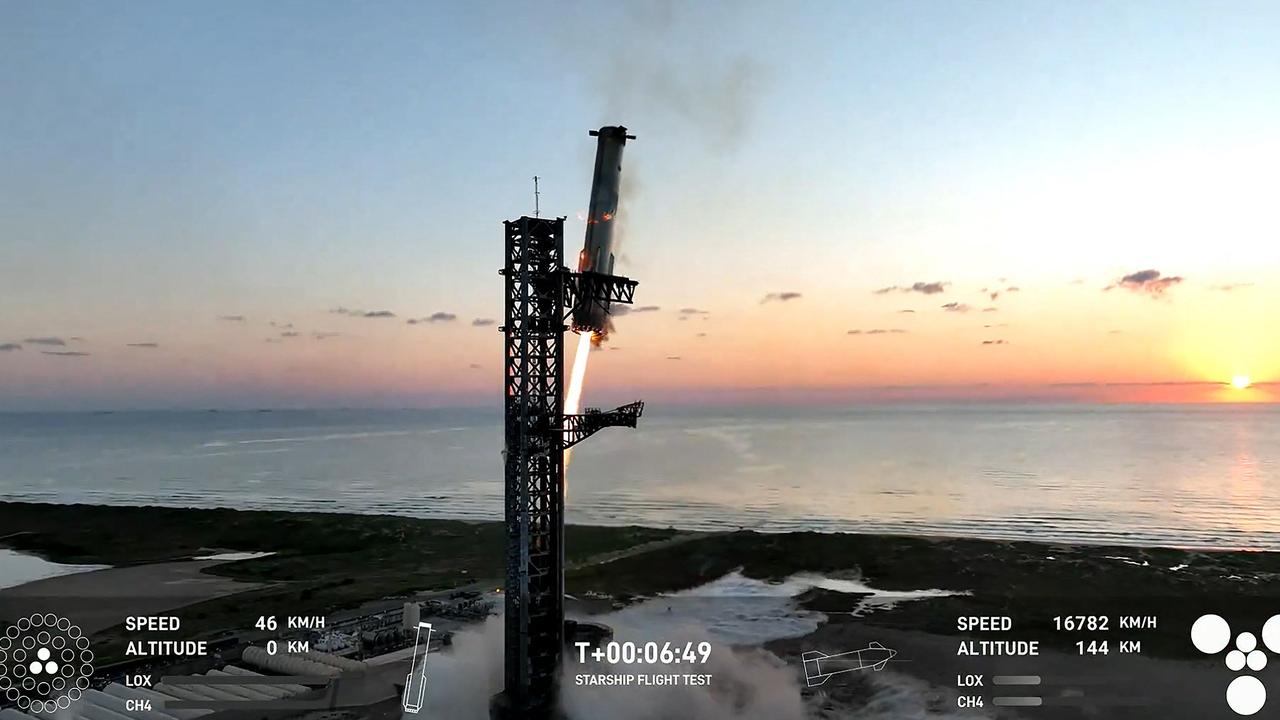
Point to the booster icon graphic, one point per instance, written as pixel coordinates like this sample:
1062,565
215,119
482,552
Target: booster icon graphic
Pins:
415,684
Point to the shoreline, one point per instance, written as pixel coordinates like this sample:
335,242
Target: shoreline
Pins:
897,531
337,560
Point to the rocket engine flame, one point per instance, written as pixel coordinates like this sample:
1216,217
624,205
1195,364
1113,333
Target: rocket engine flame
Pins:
578,378
573,394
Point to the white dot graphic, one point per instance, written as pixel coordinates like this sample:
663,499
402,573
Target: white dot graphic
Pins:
1211,634
1271,634
36,667
1235,660
1246,695
1246,642
1256,660
43,654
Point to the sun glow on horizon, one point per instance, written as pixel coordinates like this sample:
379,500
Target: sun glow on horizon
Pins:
1241,382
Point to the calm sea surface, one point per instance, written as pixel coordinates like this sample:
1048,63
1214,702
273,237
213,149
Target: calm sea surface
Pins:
1186,476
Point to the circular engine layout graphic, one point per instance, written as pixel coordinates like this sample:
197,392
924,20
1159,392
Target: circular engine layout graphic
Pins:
45,663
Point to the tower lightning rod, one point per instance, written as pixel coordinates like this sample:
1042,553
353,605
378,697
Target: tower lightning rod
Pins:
536,210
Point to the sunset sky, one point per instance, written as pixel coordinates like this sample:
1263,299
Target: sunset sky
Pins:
244,204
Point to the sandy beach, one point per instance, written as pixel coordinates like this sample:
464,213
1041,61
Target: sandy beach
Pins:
102,598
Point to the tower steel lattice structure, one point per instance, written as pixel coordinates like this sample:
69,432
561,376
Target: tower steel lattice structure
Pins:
540,294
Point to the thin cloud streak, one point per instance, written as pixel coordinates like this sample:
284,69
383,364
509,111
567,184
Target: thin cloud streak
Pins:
623,309
924,288
362,313
1149,282
436,317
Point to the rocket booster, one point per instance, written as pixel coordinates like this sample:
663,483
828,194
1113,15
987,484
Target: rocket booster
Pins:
598,248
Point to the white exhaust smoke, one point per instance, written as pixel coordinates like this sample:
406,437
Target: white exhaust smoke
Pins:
748,684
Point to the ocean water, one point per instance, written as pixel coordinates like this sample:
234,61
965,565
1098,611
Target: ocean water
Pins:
1189,476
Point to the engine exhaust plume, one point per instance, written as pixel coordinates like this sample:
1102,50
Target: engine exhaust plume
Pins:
573,395
578,378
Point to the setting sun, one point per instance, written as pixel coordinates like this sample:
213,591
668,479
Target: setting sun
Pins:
1240,382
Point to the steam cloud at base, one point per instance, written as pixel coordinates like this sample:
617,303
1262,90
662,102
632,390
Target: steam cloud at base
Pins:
748,684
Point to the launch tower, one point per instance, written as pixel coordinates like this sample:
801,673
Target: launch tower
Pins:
541,295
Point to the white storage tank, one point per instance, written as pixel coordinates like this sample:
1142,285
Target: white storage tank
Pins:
246,692
289,689
337,661
273,692
286,664
412,614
